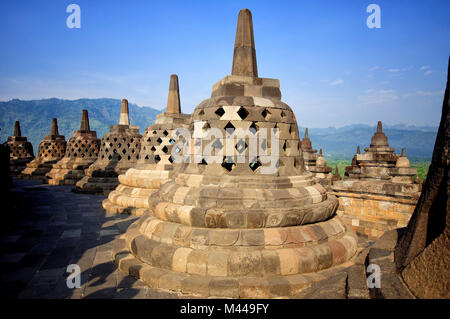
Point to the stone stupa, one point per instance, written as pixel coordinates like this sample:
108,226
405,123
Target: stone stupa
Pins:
119,151
51,149
415,260
81,151
379,193
315,163
20,150
251,228
154,166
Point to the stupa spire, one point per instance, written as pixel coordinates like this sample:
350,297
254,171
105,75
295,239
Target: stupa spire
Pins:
403,153
17,129
84,121
380,127
54,128
336,172
124,118
173,100
306,133
358,150
244,58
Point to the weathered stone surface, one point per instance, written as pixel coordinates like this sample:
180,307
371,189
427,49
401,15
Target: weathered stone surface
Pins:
81,151
51,149
20,150
148,163
378,192
119,151
234,228
423,250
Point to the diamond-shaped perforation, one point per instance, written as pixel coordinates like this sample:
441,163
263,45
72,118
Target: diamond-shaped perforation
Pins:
220,111
243,113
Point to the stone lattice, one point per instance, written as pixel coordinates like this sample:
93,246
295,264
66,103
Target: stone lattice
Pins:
379,192
51,149
154,165
20,150
81,151
119,151
232,229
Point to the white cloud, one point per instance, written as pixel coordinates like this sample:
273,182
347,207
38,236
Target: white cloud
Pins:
374,68
378,97
429,93
428,72
395,71
337,82
424,67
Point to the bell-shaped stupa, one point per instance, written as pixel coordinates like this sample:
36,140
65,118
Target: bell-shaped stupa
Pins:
119,151
155,164
241,216
51,149
20,150
315,163
379,191
81,151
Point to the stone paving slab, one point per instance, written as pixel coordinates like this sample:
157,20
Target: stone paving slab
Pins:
49,228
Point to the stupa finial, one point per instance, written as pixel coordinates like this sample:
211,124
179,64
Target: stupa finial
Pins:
306,133
54,128
17,132
320,152
173,101
379,127
403,152
336,172
244,58
124,118
358,150
84,121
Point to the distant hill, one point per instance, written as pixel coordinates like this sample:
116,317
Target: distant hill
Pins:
337,143
35,116
341,143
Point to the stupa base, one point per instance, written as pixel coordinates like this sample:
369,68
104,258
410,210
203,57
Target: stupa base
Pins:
37,170
132,195
373,211
18,165
64,176
96,185
213,273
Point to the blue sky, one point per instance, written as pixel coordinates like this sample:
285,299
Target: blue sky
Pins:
333,69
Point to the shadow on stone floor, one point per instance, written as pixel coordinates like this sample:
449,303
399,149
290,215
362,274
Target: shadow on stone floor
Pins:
47,228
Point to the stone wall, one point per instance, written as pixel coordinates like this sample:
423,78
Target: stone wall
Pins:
372,215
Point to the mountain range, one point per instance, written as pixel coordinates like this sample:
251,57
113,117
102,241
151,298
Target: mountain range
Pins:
337,143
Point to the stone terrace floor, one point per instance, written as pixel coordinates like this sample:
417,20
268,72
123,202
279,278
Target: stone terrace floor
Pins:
46,228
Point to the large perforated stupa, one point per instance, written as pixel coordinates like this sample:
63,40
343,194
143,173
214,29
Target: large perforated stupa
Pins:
155,165
51,149
119,151
248,225
81,151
